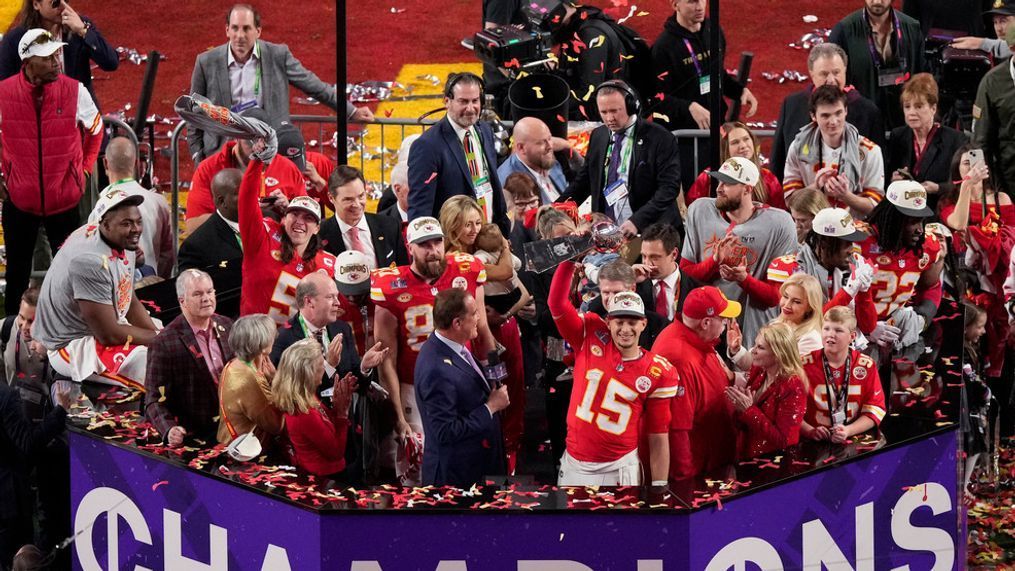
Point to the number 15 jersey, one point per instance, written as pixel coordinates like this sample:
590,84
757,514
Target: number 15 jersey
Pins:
410,299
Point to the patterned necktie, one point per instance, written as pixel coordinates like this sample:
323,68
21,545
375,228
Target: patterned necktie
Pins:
470,156
354,240
319,337
613,173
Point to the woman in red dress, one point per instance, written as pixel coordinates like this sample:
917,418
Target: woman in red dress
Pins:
769,405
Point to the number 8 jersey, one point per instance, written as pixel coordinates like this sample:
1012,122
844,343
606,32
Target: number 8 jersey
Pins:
410,299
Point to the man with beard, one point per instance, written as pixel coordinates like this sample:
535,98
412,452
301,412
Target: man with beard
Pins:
731,236
403,321
885,48
532,155
827,254
907,285
88,317
826,65
457,156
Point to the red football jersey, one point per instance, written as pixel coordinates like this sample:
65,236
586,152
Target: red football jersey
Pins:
269,286
898,272
360,318
864,396
410,298
610,396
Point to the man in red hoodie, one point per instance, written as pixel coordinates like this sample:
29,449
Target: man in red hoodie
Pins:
702,435
42,178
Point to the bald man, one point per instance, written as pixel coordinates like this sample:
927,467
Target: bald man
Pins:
216,244
533,154
156,245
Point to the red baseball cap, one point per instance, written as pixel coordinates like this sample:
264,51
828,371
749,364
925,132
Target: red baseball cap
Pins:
709,301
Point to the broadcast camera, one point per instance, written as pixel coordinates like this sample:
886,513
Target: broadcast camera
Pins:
513,48
957,72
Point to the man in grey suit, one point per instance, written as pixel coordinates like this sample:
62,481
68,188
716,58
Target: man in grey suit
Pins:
248,72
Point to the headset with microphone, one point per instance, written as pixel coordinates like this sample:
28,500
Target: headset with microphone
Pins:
631,100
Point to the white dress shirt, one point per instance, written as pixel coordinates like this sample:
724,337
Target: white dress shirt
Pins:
546,186
671,292
477,145
364,236
245,80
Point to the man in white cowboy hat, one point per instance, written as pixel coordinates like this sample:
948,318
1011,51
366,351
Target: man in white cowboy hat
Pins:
42,179
731,239
88,317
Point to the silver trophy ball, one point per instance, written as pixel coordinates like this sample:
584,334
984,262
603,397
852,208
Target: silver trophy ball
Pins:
606,236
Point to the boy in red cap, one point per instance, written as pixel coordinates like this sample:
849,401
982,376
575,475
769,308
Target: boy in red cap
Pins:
702,437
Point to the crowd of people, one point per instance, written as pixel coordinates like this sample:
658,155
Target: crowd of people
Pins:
749,308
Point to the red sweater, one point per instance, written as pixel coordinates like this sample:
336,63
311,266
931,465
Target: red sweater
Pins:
702,436
317,440
280,174
773,422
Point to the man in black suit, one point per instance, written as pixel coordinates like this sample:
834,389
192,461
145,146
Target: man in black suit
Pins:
826,65
457,156
398,210
352,228
661,284
618,276
219,240
317,301
632,169
461,430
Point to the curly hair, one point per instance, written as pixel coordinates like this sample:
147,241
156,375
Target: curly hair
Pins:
888,224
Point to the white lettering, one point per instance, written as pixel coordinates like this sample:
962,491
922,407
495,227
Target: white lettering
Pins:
820,549
743,551
908,536
276,559
174,559
114,504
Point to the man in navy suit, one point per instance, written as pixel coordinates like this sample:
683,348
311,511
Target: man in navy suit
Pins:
457,156
461,430
532,154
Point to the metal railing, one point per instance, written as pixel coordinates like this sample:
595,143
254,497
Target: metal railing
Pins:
701,134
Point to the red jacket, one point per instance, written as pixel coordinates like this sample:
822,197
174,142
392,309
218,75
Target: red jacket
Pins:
54,162
317,440
281,173
702,437
773,422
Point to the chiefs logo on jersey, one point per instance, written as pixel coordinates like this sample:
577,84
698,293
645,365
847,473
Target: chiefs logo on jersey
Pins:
459,283
860,373
405,297
643,384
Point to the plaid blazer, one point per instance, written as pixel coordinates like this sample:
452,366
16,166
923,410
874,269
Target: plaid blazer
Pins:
177,371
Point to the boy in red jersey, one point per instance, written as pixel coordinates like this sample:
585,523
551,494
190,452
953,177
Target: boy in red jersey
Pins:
615,383
403,319
276,255
845,391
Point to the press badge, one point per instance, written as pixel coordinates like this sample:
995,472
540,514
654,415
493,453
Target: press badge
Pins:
890,77
241,107
838,418
705,85
484,196
615,192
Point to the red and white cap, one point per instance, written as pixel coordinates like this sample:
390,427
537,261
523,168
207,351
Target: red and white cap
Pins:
352,272
422,229
305,203
626,304
709,301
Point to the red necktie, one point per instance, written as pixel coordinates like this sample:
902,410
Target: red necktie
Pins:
354,239
662,305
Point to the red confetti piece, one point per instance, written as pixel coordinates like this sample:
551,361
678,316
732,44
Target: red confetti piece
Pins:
433,175
663,74
388,112
157,484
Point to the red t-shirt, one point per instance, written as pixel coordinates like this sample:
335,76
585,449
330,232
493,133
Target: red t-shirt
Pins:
410,299
281,174
898,272
269,286
325,167
864,395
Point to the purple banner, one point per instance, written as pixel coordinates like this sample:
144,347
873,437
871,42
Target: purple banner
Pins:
889,508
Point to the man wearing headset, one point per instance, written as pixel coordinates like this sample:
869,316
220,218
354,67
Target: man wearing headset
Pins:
632,169
457,156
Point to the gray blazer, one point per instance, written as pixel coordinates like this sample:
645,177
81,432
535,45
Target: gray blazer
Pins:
280,68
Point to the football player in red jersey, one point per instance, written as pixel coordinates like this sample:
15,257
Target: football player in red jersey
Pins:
276,256
403,320
907,284
845,391
615,383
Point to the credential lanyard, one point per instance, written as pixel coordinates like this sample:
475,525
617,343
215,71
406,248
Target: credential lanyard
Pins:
839,403
875,54
694,57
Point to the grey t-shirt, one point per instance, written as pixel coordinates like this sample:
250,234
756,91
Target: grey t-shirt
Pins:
768,234
87,269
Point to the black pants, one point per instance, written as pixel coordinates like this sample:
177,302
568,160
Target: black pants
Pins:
21,230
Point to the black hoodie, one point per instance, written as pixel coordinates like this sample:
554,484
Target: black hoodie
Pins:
677,78
589,61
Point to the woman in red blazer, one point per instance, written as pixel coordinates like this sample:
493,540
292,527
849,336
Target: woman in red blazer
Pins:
317,433
769,407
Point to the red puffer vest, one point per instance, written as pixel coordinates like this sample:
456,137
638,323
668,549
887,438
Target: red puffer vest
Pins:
51,162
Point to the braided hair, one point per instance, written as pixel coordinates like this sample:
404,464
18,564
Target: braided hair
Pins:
889,225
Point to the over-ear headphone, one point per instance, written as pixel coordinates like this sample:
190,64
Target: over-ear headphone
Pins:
455,78
631,100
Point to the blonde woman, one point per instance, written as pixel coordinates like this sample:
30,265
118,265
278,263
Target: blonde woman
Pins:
317,433
800,305
245,386
769,405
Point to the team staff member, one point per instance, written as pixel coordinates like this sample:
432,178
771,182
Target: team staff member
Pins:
632,171
616,382
403,319
276,256
994,120
845,392
702,435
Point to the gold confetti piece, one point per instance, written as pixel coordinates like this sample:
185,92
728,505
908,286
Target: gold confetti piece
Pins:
539,91
640,14
126,346
105,263
624,57
591,90
597,41
661,116
162,393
